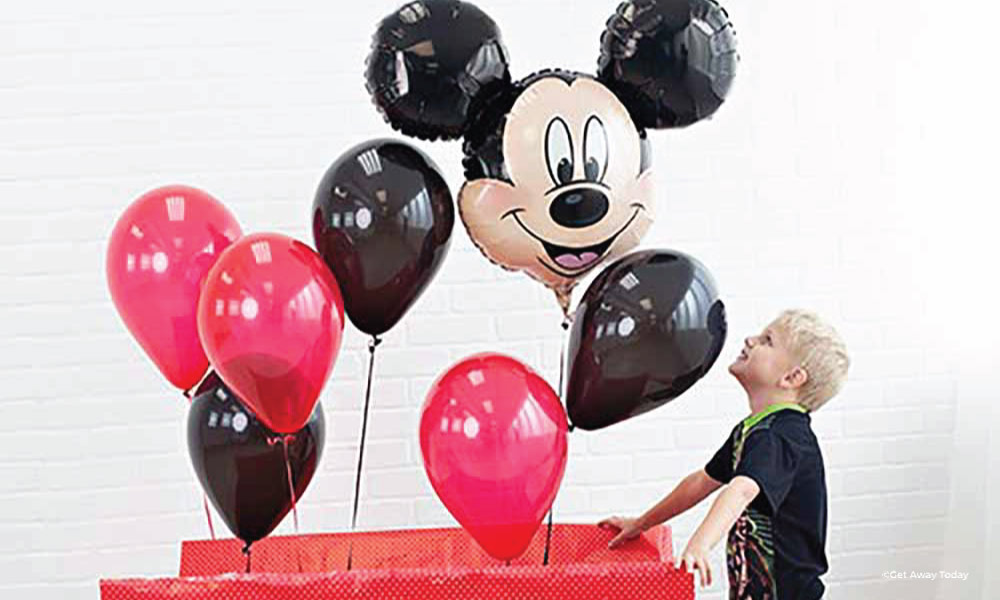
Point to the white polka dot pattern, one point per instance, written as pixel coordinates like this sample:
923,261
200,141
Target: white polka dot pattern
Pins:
420,565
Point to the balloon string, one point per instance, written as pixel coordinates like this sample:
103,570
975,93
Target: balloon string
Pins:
567,322
291,486
208,516
562,356
562,375
548,540
246,551
372,345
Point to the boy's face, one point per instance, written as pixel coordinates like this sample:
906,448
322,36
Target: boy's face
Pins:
765,361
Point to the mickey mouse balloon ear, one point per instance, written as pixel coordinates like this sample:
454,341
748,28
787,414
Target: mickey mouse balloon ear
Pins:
671,62
432,64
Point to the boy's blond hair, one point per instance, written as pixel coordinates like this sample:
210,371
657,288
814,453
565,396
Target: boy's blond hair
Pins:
820,351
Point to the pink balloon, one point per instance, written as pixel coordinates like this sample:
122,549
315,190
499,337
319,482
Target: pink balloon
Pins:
271,319
493,437
159,252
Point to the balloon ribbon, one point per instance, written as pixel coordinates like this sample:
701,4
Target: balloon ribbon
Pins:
208,515
246,552
562,372
291,486
284,440
375,341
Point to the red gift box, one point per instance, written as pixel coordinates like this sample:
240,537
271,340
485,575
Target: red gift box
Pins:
419,564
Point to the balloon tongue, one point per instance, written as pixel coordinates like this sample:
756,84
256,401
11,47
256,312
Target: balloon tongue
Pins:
572,261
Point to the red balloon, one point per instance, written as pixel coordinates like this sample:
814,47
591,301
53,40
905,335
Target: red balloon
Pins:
493,437
159,252
271,319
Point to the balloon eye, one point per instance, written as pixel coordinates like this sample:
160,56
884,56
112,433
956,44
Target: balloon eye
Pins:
595,149
565,170
559,152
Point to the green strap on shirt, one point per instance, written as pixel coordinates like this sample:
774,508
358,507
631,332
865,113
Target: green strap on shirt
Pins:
749,422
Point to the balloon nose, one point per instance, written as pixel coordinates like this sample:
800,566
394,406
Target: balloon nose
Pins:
579,208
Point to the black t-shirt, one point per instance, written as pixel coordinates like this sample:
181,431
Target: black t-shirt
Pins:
776,550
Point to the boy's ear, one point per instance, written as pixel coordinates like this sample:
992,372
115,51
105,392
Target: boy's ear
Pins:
795,379
670,62
432,65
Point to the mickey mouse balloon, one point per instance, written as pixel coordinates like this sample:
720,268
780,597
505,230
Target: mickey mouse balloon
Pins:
556,164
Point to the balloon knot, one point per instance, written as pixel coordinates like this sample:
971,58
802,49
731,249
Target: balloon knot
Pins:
373,343
281,439
246,548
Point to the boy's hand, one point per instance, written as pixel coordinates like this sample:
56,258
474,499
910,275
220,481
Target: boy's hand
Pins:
695,558
628,529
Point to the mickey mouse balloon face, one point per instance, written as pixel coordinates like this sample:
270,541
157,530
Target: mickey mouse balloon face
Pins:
557,164
575,193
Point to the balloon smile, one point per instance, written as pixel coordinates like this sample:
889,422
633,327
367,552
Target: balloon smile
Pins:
575,259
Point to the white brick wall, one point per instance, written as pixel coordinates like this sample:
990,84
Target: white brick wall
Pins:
806,189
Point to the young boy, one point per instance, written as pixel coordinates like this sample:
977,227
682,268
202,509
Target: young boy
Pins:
773,504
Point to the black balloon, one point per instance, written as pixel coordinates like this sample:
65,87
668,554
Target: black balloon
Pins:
241,463
432,63
670,61
382,221
648,327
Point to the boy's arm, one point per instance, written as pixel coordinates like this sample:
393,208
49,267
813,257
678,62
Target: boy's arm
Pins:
726,509
690,491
